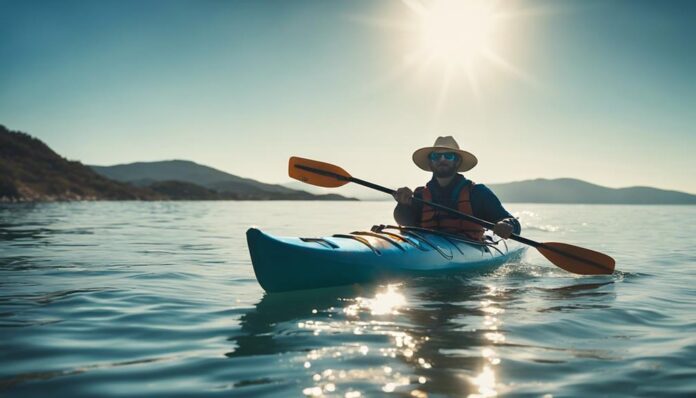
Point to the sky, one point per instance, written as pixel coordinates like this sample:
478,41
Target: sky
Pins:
603,91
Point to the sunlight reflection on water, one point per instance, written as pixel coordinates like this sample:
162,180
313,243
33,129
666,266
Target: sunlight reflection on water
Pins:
385,304
485,382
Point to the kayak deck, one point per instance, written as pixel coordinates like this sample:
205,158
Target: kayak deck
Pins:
382,253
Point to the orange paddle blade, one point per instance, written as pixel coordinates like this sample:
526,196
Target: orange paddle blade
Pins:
317,173
576,259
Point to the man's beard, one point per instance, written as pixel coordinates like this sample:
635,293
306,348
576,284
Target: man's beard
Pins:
444,171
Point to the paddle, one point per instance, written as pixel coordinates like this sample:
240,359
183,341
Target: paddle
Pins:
571,258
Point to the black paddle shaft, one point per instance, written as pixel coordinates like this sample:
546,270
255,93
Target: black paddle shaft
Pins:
483,223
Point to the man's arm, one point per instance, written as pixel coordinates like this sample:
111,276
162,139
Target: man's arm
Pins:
487,206
407,211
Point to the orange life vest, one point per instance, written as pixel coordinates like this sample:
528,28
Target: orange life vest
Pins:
441,220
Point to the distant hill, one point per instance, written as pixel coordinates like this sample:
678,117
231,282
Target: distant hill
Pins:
568,190
562,190
147,173
178,190
350,190
31,171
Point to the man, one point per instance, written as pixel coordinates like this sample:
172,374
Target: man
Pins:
451,189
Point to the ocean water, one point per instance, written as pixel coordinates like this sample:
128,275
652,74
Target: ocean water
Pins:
159,299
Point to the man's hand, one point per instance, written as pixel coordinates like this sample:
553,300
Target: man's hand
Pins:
503,229
403,196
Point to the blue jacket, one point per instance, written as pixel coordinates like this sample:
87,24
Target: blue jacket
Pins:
484,204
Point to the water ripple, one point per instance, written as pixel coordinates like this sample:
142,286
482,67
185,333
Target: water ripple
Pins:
162,301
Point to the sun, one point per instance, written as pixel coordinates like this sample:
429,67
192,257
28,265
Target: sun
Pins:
446,42
458,32
457,38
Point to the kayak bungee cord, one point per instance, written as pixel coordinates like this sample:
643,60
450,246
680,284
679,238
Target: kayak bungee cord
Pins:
445,235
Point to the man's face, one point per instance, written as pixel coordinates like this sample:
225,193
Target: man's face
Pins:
444,164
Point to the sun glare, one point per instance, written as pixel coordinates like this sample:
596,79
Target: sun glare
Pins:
458,32
456,38
447,42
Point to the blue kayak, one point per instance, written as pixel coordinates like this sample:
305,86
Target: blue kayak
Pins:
383,253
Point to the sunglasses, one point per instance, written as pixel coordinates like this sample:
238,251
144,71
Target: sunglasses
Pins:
451,156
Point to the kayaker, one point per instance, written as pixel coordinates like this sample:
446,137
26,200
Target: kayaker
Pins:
450,188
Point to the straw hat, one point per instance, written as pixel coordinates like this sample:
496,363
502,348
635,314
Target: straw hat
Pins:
444,144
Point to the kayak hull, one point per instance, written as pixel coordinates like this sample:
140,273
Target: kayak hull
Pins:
292,263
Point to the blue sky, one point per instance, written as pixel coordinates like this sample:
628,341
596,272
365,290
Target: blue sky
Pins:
598,90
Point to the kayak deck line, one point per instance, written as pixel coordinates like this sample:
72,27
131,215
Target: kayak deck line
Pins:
376,235
321,241
416,239
381,227
431,244
447,236
380,236
453,244
403,239
359,239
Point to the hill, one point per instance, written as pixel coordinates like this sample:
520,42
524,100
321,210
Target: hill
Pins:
229,185
31,171
569,190
350,190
